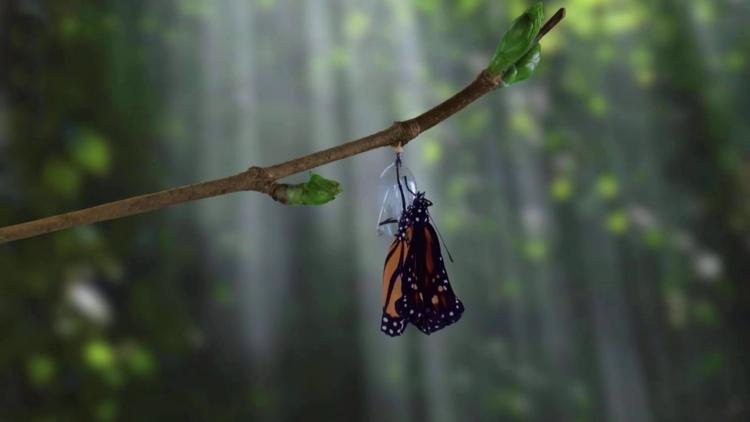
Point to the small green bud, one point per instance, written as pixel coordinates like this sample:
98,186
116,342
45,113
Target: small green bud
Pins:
523,69
510,75
518,39
316,191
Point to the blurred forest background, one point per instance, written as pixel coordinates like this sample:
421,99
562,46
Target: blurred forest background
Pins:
599,213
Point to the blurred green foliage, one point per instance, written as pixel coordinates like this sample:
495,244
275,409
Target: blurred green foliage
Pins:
599,212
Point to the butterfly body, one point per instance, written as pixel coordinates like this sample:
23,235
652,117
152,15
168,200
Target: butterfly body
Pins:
416,288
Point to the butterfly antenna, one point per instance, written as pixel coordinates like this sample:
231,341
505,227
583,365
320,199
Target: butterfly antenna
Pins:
441,237
407,187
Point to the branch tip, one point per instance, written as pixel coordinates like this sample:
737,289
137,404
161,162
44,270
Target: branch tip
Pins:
551,23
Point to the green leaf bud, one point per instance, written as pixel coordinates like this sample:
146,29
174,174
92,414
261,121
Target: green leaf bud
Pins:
524,68
518,39
316,191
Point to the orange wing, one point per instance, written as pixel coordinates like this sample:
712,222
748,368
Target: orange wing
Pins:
392,323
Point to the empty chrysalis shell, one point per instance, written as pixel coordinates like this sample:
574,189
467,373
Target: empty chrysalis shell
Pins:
395,199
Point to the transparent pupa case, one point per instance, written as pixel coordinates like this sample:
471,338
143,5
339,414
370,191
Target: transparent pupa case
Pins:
391,196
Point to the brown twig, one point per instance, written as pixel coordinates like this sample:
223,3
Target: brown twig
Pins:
263,179
551,23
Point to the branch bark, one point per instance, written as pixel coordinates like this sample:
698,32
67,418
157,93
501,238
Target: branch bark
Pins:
263,179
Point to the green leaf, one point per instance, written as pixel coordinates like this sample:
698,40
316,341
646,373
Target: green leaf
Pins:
562,188
617,222
356,25
41,369
61,177
99,355
432,151
140,360
524,68
317,191
91,151
607,186
518,40
107,410
535,250
598,105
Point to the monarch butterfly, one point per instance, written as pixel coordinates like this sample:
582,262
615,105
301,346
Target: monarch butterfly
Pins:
415,282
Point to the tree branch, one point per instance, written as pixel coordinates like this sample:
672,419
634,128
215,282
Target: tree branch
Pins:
263,179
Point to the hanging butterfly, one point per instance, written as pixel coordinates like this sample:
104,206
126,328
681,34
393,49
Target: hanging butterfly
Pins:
415,282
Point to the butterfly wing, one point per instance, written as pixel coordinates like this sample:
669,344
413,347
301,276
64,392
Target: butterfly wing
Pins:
411,305
427,291
415,282
392,323
442,306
